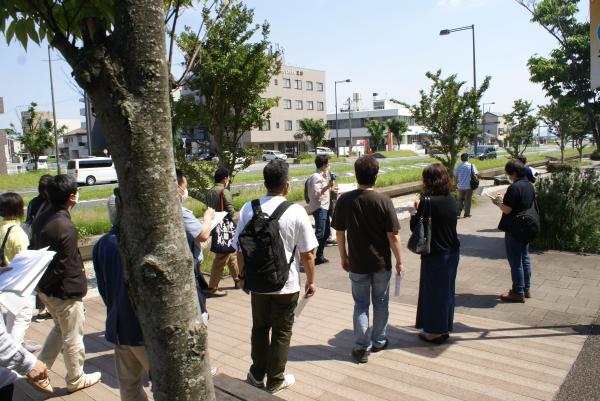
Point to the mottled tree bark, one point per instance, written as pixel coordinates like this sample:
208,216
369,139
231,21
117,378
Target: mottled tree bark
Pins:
126,77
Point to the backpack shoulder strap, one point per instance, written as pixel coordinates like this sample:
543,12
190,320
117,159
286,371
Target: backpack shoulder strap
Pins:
6,237
276,215
256,210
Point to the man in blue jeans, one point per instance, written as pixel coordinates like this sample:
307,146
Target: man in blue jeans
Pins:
370,221
319,194
519,196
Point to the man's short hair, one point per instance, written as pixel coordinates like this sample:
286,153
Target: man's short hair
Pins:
276,174
180,176
60,188
43,184
321,160
515,166
464,157
221,174
522,159
11,205
366,169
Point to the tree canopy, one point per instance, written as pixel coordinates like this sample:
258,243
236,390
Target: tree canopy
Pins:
397,128
315,129
566,119
521,123
376,130
37,133
449,113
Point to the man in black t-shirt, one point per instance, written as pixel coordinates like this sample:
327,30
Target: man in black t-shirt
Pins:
369,218
519,197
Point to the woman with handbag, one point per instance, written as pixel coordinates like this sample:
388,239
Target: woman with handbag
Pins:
219,198
433,224
519,199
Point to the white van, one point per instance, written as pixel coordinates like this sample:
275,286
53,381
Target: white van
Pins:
91,170
42,163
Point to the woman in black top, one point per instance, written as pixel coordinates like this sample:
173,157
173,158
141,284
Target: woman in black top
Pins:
435,309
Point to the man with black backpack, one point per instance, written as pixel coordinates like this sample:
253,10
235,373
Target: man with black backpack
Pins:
272,237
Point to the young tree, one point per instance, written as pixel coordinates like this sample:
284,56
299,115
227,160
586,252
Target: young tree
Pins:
566,72
117,51
235,67
449,115
521,124
397,128
376,131
313,129
565,118
36,135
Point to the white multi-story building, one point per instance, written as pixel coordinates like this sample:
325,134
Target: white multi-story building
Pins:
350,128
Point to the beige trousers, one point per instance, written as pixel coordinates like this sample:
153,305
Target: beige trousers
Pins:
65,336
220,261
131,364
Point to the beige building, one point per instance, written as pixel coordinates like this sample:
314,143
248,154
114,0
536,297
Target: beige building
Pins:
74,144
301,93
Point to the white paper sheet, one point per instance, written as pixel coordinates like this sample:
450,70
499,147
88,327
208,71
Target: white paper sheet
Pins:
219,216
26,271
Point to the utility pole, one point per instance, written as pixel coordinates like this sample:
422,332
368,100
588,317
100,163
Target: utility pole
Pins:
350,125
53,114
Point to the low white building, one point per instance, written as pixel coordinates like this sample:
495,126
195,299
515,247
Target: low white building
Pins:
350,127
74,144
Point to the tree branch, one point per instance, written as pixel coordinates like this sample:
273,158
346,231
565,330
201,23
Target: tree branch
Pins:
172,34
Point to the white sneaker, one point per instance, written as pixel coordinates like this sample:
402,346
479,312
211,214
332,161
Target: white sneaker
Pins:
86,380
288,381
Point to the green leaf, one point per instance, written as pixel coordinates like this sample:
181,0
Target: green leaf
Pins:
21,32
10,32
30,26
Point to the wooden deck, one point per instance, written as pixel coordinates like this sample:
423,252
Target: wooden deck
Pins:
486,360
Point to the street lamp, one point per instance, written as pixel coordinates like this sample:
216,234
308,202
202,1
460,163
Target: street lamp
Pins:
337,141
53,115
444,32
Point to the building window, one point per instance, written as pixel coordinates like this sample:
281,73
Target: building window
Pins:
309,85
298,83
266,126
277,125
287,103
287,83
298,104
320,106
319,86
288,125
275,82
310,105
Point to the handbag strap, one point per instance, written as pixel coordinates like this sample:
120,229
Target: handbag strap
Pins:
6,237
222,200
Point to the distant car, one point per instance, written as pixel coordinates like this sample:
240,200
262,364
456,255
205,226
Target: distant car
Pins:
272,155
92,170
484,152
291,152
321,150
42,163
206,155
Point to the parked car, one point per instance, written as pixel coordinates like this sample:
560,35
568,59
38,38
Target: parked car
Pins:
272,155
92,170
484,152
321,150
42,163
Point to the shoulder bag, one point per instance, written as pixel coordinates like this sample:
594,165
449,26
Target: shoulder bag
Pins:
420,239
223,233
474,180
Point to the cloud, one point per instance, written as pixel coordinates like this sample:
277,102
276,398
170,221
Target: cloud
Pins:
462,3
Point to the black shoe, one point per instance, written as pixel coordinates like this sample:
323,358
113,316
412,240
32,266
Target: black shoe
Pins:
331,242
467,216
40,317
376,348
360,355
321,261
435,340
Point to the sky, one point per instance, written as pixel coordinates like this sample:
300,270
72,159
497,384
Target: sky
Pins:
383,46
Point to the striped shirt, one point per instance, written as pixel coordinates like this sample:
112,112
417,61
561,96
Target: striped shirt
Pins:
463,175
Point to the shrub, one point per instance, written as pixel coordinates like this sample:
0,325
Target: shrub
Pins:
595,155
569,203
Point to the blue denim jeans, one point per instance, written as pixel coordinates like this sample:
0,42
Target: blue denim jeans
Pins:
517,254
322,230
366,288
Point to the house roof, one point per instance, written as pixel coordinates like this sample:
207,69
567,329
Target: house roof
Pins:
77,131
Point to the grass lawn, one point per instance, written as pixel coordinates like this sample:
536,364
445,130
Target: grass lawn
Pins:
10,182
332,159
398,153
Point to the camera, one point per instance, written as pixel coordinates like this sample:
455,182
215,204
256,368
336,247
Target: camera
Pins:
332,176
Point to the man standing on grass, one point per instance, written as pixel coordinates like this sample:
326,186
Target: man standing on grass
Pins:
274,311
64,284
369,219
463,175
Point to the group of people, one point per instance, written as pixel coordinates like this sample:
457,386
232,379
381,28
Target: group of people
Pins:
367,234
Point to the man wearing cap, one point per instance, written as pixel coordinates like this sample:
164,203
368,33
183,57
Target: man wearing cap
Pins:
219,198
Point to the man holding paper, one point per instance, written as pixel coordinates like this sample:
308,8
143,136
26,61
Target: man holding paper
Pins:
64,284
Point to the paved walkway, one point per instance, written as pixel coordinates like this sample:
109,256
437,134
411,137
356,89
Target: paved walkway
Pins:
498,352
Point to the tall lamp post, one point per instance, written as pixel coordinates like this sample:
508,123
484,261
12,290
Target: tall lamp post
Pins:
444,32
53,114
483,124
337,140
350,125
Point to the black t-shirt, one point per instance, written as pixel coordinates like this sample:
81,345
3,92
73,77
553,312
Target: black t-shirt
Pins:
519,196
444,210
366,216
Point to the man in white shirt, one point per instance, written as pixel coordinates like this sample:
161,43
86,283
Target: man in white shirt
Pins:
275,311
463,184
319,194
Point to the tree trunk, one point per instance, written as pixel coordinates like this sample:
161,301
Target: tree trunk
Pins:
127,79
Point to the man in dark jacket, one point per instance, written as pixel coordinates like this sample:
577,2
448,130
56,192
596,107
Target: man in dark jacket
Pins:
122,326
64,284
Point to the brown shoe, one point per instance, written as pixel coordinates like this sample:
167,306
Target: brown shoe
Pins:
512,297
215,292
527,293
41,384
